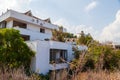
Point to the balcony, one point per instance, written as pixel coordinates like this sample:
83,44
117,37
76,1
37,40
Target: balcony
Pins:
30,19
58,66
34,35
58,58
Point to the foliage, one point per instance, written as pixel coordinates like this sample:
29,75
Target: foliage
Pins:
112,59
98,56
77,64
19,74
77,53
102,57
59,35
84,39
69,35
13,51
44,77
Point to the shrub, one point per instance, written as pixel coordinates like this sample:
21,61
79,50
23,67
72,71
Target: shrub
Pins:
13,50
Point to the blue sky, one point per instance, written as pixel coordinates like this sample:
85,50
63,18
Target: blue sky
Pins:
97,17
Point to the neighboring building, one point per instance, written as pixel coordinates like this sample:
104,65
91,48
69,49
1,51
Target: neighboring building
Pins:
71,41
114,45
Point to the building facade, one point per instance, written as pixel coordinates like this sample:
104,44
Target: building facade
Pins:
37,34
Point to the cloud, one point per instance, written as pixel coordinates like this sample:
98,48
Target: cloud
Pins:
19,5
78,28
91,6
112,31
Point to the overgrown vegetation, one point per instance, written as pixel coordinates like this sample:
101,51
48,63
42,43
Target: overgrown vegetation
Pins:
99,60
13,50
84,39
102,57
19,74
59,35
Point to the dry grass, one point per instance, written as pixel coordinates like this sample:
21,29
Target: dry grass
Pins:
101,75
12,75
17,74
89,75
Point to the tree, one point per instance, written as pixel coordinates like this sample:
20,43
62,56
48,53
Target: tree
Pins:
84,39
69,35
111,59
58,35
95,55
88,39
13,50
102,57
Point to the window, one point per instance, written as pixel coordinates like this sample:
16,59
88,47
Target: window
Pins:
63,54
25,37
3,24
57,56
19,24
52,55
37,21
42,30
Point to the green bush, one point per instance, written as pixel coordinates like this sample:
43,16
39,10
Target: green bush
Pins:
13,50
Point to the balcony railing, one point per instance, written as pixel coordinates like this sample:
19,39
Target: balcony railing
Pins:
58,66
36,35
59,60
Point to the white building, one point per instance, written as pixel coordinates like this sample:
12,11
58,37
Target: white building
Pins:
35,32
49,52
114,45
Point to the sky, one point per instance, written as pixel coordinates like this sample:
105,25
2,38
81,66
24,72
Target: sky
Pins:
100,18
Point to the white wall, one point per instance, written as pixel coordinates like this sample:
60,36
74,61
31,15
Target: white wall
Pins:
37,28
70,53
40,63
33,46
34,35
48,31
9,24
58,45
42,57
33,27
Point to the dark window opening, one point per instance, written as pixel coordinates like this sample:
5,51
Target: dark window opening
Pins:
25,37
68,40
73,40
117,47
19,24
58,56
42,30
3,24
